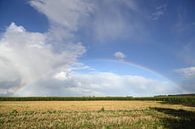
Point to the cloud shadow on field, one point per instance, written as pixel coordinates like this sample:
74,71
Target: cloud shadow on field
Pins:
184,104
190,103
179,119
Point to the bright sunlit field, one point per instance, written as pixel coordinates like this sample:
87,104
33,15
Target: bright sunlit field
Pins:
95,115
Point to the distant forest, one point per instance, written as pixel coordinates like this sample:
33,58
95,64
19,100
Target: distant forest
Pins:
186,99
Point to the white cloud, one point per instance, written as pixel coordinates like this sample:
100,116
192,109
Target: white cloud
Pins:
64,12
61,76
159,11
29,58
186,72
65,16
102,83
107,83
187,79
103,19
25,58
80,66
119,55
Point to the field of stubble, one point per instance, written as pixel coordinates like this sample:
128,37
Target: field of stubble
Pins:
95,115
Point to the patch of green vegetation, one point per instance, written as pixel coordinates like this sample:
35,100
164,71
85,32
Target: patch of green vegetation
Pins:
14,112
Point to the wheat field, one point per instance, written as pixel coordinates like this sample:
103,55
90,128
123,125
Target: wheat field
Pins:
94,115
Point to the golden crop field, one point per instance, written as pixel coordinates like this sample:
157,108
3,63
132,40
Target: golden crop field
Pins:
94,115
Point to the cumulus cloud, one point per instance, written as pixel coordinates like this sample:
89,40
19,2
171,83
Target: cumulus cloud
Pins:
25,58
29,58
119,55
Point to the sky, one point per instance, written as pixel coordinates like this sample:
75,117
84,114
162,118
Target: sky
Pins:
97,47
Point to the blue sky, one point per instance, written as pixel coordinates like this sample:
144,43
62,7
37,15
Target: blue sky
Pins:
150,41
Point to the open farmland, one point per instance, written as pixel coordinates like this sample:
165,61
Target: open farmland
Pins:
95,114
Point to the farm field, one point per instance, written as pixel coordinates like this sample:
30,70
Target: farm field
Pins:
95,115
